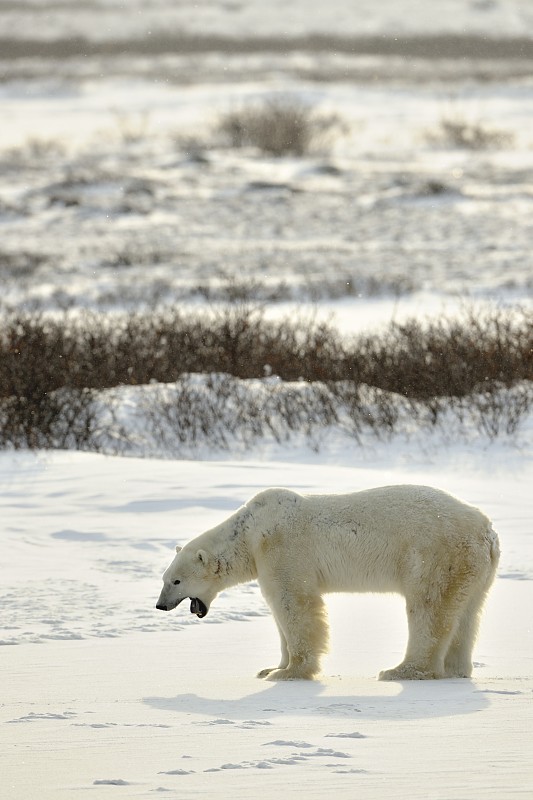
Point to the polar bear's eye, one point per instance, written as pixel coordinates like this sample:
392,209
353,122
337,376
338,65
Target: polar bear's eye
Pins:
176,582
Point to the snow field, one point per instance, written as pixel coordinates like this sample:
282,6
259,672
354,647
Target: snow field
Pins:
102,694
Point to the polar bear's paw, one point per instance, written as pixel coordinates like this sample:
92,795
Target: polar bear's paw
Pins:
408,672
264,672
288,674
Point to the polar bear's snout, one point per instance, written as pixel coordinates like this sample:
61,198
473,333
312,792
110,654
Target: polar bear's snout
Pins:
164,604
198,607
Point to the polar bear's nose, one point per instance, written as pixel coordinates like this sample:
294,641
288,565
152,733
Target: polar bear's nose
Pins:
161,607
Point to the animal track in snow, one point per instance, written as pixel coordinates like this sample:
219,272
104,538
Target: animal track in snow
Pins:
282,743
33,717
252,723
326,751
247,724
177,772
293,759
354,735
350,771
119,725
338,709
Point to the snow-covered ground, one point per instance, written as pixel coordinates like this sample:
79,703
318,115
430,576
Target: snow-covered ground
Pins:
117,188
106,19
132,216
103,696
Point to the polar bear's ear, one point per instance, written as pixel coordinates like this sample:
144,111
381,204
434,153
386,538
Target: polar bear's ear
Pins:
178,548
202,557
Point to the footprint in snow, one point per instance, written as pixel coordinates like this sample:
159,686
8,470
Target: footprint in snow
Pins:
264,764
354,735
292,760
338,709
322,752
283,743
350,771
252,723
111,782
177,772
33,717
94,724
319,751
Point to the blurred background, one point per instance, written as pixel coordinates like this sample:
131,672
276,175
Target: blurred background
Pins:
363,164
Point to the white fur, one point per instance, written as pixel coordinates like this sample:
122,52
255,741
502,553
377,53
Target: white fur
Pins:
422,543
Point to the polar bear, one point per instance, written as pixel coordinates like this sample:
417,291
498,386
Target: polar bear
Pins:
420,542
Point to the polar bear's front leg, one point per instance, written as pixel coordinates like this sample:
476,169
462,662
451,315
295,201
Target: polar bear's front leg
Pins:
284,663
301,620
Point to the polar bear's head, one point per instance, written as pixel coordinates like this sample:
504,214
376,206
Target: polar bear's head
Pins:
192,574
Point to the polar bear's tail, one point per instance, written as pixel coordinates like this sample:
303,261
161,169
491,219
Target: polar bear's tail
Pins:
494,544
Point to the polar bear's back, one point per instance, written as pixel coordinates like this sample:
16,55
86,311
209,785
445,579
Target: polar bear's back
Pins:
391,507
373,539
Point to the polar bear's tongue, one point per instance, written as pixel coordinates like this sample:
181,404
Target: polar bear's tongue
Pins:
198,608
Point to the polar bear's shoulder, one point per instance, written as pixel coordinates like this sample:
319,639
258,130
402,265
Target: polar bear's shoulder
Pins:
273,498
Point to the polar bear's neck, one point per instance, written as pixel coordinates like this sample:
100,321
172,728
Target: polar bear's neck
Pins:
228,544
233,561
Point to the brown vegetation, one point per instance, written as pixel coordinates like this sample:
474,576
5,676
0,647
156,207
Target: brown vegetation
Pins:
51,369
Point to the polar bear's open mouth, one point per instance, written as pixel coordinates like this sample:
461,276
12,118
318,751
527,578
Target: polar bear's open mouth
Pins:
198,608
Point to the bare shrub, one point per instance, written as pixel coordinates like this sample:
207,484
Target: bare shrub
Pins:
185,414
64,419
35,153
496,410
449,358
279,126
362,408
50,367
218,409
41,404
231,288
307,408
455,131
21,263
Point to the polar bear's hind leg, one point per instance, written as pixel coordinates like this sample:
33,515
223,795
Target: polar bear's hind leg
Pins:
434,624
458,660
